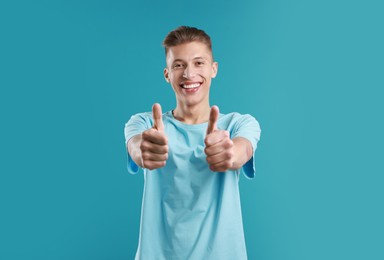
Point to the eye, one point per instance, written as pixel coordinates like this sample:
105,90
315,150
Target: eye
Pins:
199,63
177,65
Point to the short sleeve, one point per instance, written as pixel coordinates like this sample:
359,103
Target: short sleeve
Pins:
247,127
136,125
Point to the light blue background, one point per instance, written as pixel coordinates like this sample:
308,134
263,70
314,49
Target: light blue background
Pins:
73,72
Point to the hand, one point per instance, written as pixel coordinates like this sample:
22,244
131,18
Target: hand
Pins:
154,142
219,147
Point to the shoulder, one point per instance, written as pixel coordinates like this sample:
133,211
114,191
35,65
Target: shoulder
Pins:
237,117
235,121
144,118
141,116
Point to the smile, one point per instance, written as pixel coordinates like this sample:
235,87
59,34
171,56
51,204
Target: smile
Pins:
190,86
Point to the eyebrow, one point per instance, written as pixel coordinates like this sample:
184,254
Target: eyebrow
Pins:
178,60
196,58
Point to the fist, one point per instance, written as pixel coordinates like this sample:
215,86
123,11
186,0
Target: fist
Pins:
154,142
219,147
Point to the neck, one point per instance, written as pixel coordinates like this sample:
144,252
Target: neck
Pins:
192,114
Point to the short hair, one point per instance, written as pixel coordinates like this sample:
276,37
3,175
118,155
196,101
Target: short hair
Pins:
186,34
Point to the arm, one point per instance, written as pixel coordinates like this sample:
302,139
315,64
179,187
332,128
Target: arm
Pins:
133,148
242,152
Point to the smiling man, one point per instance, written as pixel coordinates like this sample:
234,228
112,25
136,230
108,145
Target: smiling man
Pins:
192,157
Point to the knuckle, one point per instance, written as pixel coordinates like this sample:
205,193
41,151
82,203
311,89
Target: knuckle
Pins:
152,166
145,134
227,164
227,144
143,146
144,155
229,154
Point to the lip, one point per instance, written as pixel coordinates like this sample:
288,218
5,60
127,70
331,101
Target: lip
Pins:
190,83
190,90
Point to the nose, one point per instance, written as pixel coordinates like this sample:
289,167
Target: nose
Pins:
189,72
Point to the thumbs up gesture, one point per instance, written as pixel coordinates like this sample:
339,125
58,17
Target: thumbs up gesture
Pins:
219,148
154,142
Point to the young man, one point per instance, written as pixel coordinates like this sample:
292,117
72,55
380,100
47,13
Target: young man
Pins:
192,157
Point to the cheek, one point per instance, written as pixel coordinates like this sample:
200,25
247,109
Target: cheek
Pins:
208,72
174,75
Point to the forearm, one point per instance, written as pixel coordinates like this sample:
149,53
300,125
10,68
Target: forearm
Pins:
242,152
133,148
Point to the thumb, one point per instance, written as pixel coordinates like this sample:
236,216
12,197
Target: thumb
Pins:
213,117
157,117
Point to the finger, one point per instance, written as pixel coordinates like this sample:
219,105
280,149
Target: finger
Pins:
155,137
157,117
221,166
216,137
159,149
148,156
219,147
147,146
220,157
213,117
151,165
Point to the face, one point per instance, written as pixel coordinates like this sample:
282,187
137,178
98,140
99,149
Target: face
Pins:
189,70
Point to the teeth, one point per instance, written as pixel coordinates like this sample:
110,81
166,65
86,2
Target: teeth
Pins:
195,85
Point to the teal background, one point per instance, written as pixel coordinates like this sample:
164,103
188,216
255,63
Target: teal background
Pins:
73,72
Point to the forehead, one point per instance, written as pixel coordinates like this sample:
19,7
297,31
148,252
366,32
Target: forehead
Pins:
188,51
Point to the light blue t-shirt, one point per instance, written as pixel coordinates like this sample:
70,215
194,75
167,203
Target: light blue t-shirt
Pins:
188,211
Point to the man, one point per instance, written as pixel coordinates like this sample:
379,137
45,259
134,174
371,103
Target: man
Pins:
192,157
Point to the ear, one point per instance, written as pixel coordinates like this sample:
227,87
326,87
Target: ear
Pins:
166,75
215,67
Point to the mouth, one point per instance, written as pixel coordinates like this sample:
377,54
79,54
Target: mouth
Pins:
190,86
